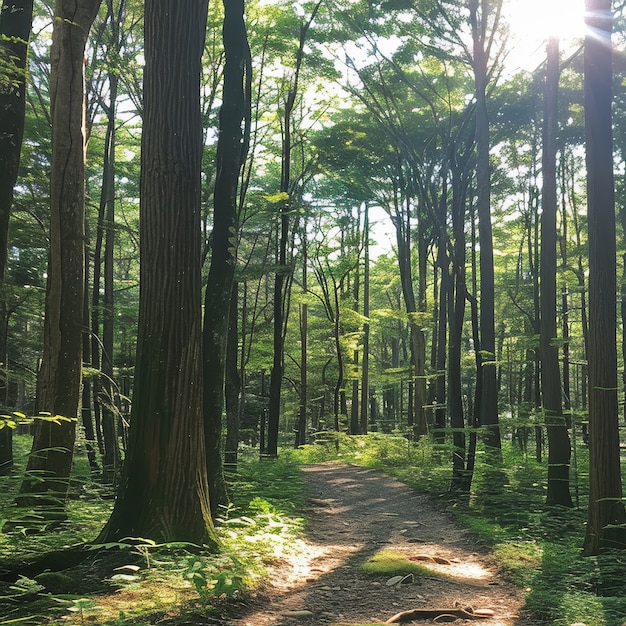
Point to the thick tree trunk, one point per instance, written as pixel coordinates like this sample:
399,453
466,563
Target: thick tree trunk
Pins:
605,521
164,493
231,154
559,450
59,379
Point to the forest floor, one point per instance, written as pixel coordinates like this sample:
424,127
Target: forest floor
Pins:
354,514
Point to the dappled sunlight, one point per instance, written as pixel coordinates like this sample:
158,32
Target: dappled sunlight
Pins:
304,562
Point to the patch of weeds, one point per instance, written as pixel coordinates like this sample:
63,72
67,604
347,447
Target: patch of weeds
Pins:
391,563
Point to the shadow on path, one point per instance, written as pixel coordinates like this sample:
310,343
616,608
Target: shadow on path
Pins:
352,514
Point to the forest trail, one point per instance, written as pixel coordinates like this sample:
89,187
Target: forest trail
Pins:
354,513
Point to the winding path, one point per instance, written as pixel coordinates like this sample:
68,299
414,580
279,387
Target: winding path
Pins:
352,514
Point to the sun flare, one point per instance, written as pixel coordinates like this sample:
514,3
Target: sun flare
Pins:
531,22
542,18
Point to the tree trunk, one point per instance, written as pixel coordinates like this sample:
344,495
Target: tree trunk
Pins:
605,521
304,331
232,383
231,154
283,278
559,450
58,388
15,27
489,396
364,408
164,493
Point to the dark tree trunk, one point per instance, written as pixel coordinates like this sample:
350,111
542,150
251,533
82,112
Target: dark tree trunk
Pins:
232,383
489,396
456,305
59,380
283,278
364,408
605,521
304,365
15,26
164,493
231,154
559,450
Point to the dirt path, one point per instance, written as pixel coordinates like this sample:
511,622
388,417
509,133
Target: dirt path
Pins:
355,512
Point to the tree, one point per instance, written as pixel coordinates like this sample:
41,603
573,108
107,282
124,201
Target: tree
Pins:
15,26
556,426
479,14
47,474
606,516
284,275
164,492
232,148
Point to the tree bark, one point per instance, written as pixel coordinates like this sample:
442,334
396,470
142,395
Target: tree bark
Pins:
164,493
231,154
606,517
15,26
489,396
559,450
59,381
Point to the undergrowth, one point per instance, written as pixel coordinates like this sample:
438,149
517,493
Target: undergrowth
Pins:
139,581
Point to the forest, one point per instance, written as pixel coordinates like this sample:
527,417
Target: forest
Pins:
244,242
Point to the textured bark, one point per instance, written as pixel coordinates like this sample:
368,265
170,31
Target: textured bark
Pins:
59,381
233,383
15,26
164,492
606,511
559,450
231,154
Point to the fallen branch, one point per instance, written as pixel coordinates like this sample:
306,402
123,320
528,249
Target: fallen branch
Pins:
441,615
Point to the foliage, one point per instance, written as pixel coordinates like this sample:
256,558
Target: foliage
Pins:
132,581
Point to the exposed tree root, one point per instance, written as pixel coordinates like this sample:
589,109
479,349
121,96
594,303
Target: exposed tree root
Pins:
441,615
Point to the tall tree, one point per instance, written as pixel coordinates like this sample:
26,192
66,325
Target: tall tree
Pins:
15,25
283,278
164,491
551,390
231,154
59,381
479,17
606,516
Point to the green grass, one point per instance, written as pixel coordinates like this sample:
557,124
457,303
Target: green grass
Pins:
147,583
390,563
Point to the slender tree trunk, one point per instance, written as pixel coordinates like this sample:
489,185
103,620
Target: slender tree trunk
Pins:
559,449
489,397
456,305
606,517
164,493
283,278
304,363
365,383
232,385
59,380
231,153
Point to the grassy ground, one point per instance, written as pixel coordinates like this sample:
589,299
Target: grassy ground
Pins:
177,584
